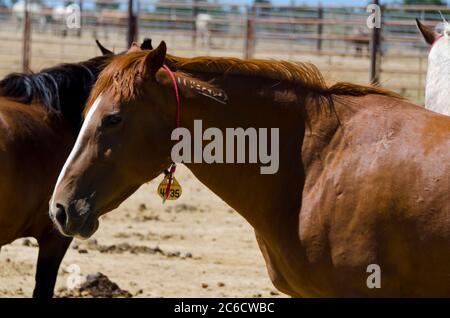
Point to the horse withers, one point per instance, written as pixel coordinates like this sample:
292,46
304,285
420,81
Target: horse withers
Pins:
40,116
437,90
363,178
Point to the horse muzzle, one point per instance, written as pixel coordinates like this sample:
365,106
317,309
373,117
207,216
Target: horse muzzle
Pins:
74,219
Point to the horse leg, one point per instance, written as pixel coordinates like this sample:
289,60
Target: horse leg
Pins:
52,248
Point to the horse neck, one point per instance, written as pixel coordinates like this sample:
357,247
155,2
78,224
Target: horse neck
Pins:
437,94
256,103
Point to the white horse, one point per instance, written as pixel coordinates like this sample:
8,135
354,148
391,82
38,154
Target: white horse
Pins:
202,24
65,18
60,12
437,91
35,9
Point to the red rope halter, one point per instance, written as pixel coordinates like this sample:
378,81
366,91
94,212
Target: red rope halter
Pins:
173,167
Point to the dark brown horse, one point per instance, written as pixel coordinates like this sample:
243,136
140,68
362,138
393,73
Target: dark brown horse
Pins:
40,116
363,179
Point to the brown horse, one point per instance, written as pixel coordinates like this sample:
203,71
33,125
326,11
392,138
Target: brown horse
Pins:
363,178
40,116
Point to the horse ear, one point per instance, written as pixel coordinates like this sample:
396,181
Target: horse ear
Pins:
104,50
134,48
147,44
155,59
427,32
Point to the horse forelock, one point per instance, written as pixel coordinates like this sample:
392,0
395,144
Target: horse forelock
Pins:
120,76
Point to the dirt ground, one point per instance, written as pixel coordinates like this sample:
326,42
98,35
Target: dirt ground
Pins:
196,246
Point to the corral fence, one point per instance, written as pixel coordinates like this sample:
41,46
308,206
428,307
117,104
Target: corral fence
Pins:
335,38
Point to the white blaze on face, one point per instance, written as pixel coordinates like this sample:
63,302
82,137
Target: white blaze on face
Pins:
77,146
437,92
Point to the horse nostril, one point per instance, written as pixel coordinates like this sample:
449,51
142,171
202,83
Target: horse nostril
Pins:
61,215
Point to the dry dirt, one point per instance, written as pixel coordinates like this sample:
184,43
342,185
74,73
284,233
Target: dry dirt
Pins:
196,246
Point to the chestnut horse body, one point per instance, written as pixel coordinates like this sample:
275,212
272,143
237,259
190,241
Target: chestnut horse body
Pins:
363,179
40,115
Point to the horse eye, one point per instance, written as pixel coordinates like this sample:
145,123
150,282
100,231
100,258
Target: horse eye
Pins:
112,120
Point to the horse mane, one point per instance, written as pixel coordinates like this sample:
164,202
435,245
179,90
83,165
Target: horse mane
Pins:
305,75
56,88
123,72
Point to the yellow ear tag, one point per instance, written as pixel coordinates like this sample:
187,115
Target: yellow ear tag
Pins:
175,189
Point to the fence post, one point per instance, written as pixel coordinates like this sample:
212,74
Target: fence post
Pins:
195,11
375,53
319,28
26,48
80,4
132,22
250,36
